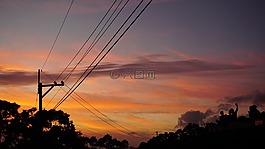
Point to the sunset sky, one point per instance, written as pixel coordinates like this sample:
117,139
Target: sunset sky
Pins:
205,56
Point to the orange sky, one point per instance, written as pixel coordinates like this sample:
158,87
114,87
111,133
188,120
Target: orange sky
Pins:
204,59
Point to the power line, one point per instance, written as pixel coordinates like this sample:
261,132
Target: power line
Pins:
88,129
47,75
98,37
74,87
104,120
129,133
57,35
86,40
91,45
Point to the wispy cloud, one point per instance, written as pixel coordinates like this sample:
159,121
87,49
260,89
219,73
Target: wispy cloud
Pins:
172,67
20,77
8,77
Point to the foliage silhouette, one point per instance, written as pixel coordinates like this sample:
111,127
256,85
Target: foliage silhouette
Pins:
44,129
31,129
241,132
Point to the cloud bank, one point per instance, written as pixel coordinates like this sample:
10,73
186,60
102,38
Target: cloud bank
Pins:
189,67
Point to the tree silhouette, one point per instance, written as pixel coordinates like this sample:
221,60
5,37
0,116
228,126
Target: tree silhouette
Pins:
108,142
9,132
241,132
31,129
44,129
93,141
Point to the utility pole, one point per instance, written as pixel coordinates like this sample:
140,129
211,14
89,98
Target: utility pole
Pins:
40,86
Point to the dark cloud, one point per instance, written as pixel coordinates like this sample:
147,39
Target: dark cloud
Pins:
196,117
18,77
256,97
165,67
181,66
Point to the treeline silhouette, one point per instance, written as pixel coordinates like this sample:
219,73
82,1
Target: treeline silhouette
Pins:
228,132
31,129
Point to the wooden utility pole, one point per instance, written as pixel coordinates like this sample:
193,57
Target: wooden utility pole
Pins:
40,86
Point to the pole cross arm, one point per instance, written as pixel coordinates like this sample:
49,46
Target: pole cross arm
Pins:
51,87
54,84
